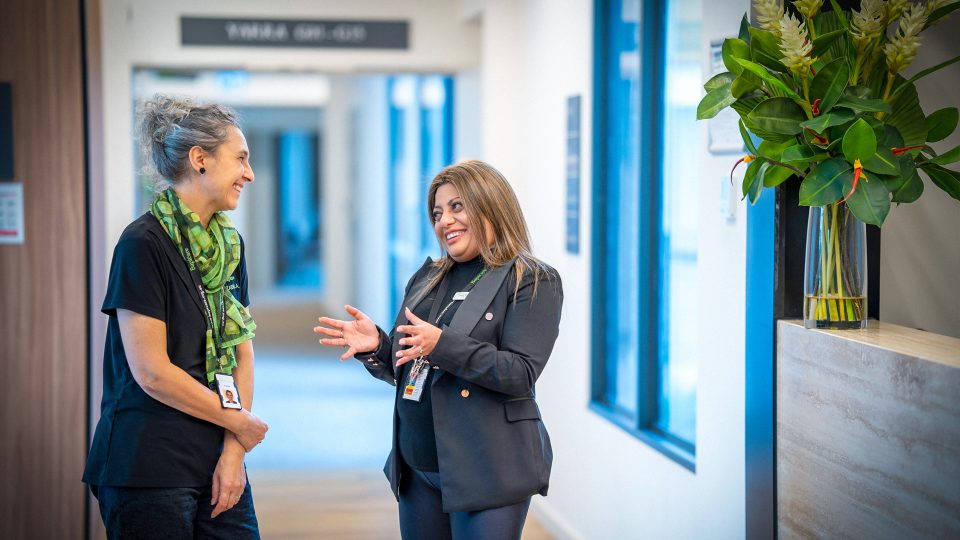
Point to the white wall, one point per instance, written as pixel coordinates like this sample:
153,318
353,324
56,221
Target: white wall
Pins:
920,242
146,34
606,483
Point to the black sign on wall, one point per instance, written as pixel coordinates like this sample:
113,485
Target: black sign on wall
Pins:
6,132
335,34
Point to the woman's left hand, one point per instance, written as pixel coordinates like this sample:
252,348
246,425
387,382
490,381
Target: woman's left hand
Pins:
229,481
422,338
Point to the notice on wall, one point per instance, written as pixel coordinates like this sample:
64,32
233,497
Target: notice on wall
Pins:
337,34
11,213
573,174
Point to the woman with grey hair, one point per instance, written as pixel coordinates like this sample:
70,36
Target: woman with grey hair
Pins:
166,460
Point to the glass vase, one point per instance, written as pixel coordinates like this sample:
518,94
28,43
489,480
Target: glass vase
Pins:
835,274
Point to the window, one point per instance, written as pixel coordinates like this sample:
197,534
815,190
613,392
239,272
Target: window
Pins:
421,143
645,220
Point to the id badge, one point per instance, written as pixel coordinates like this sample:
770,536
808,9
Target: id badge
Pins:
414,390
227,389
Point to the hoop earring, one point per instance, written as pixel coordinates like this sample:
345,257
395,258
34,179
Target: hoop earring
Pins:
202,170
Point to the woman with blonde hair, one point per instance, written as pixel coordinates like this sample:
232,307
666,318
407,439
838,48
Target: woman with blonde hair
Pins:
476,330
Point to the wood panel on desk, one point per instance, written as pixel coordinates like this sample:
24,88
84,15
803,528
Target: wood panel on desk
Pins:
43,282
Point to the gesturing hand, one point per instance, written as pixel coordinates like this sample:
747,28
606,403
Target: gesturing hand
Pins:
358,336
421,336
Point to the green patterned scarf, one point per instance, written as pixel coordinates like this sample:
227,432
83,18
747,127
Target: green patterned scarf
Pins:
215,253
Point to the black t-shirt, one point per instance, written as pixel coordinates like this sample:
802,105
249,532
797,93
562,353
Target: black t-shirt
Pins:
418,442
140,442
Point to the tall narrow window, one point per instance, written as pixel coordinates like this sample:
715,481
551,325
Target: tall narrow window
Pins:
421,140
645,220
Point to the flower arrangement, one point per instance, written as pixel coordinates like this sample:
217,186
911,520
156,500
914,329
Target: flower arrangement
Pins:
823,92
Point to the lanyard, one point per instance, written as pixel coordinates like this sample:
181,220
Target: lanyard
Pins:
419,362
443,290
208,313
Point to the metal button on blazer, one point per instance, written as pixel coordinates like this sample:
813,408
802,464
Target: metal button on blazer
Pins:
488,316
465,393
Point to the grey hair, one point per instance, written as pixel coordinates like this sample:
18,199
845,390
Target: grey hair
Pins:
171,126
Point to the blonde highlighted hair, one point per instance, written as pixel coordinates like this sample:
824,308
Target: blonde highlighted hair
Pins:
493,208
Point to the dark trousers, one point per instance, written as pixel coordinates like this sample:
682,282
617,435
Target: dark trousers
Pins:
422,516
173,514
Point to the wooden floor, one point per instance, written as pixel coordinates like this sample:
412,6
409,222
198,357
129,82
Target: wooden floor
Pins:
335,506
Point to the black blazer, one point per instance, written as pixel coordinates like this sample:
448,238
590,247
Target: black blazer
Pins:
492,447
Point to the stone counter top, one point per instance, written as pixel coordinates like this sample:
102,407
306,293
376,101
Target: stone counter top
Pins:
899,339
868,433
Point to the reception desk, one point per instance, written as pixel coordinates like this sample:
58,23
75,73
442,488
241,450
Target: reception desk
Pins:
868,433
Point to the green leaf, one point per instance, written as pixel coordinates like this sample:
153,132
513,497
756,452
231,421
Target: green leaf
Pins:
863,92
745,83
773,149
824,121
908,117
744,105
924,73
824,41
945,179
891,138
824,184
744,29
719,80
801,154
829,83
838,11
778,115
940,13
883,162
774,175
910,190
765,47
752,184
940,124
906,185
714,102
747,140
732,49
864,105
762,72
948,157
859,142
870,202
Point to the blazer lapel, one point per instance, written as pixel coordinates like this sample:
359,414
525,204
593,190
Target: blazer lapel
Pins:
480,297
468,314
417,293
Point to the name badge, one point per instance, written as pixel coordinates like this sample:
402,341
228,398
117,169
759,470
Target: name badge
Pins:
462,295
414,388
227,389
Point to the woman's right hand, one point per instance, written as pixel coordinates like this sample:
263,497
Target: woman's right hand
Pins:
359,335
250,429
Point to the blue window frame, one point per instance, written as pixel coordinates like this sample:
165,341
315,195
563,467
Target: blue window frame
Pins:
421,143
646,88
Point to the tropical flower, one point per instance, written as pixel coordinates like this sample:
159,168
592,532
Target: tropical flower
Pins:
769,13
809,8
893,9
866,25
903,46
795,45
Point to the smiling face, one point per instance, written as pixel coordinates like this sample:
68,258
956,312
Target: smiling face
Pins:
227,171
451,222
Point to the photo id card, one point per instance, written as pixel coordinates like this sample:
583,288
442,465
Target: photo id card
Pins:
414,389
227,388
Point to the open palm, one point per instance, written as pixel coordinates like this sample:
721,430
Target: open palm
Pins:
359,335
